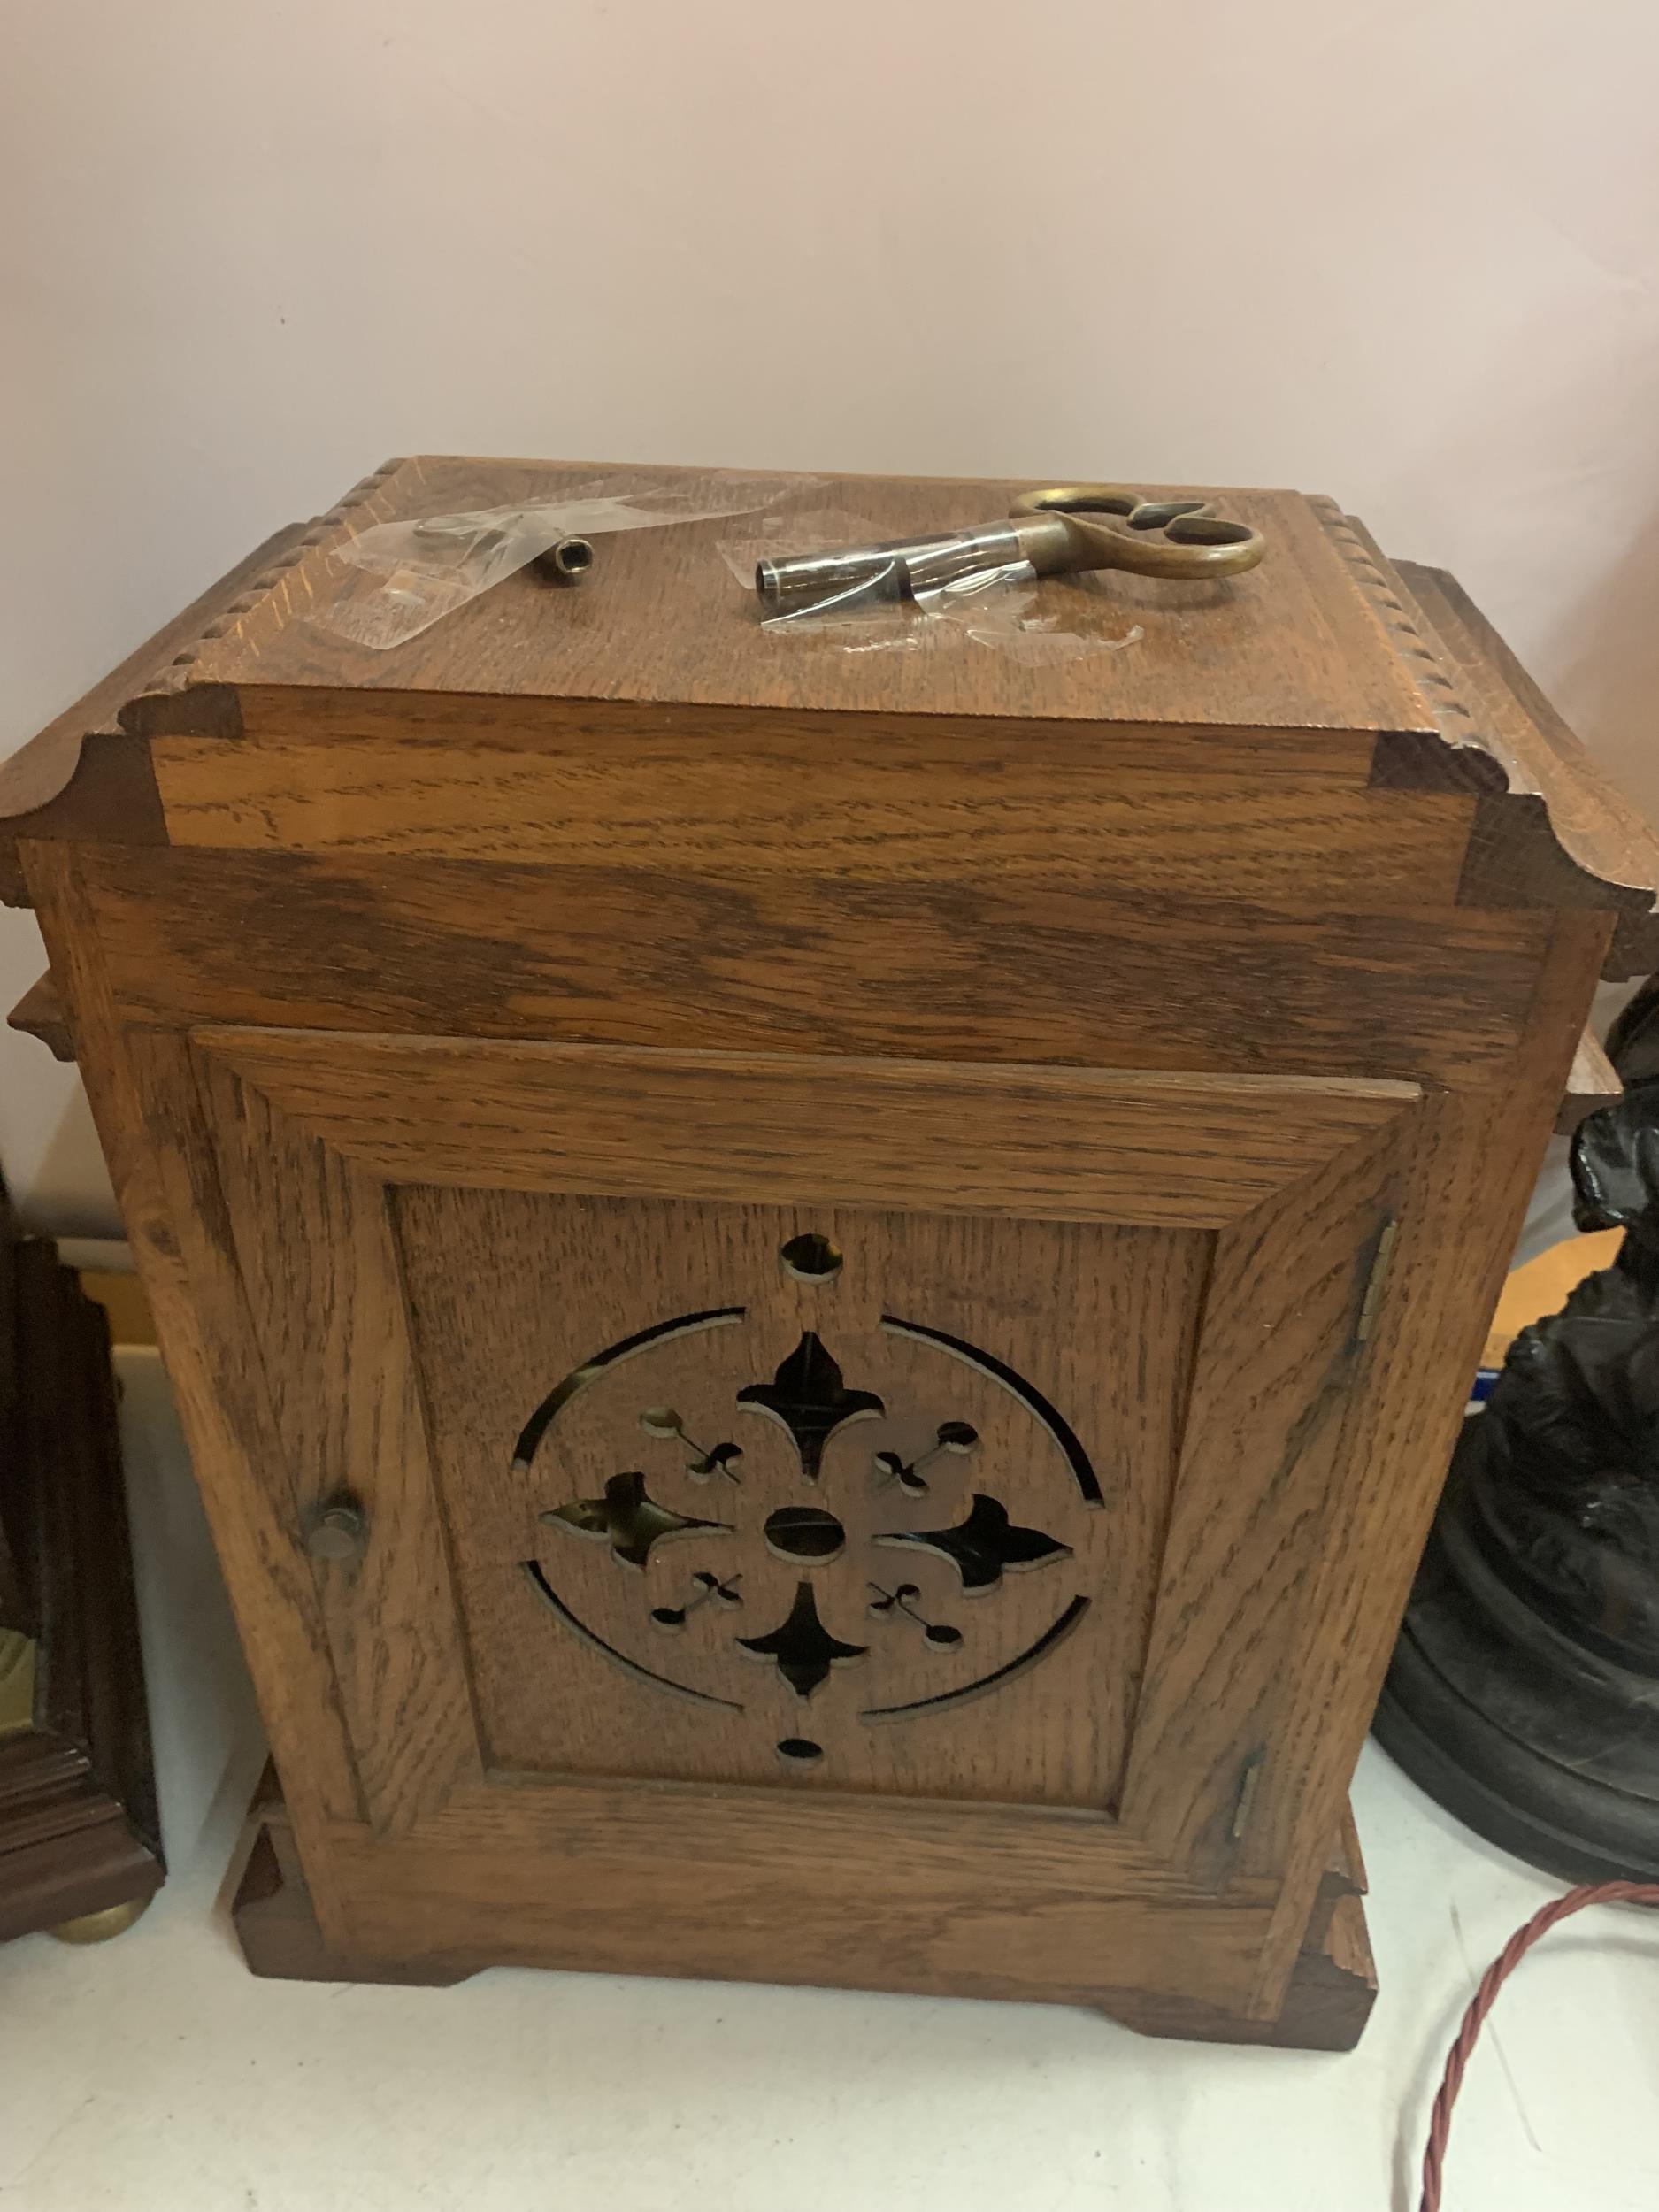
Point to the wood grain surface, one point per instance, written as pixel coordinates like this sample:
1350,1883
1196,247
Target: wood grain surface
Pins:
115,791
1281,1358
1416,664
485,1275
883,805
1559,801
628,1699
143,1099
407,1112
886,1921
1293,643
41,1013
1594,821
313,1248
38,771
1038,1143
967,972
1471,1171
1326,2005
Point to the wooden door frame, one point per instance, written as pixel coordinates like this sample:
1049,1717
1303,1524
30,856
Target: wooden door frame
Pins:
1473,1160
1232,1156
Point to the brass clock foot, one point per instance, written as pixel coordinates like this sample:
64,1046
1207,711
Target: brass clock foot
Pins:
101,1927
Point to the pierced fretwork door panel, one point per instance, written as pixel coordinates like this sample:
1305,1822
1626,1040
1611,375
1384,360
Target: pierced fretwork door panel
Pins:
808,1434
734,1498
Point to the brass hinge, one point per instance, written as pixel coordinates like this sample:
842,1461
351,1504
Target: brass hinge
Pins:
1248,1782
1382,1253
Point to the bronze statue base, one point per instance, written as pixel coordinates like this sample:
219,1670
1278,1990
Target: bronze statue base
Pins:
1547,1748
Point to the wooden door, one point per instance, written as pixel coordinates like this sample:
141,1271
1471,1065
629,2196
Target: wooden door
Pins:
825,1519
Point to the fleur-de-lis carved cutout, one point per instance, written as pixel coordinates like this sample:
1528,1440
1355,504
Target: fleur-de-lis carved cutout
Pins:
626,1518
981,1546
808,1395
801,1647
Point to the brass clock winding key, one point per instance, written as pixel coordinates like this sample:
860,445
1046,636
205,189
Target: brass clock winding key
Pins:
1053,529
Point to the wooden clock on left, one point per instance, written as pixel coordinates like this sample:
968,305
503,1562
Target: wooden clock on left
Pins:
79,1838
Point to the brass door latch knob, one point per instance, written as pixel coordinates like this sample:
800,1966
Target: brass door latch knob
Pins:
339,1530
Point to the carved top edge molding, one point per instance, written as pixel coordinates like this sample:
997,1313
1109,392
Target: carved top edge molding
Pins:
55,783
1499,737
1496,734
148,710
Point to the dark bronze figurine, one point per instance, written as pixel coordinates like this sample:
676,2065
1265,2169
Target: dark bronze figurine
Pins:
1524,1689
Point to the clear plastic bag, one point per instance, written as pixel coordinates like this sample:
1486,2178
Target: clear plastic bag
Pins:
397,579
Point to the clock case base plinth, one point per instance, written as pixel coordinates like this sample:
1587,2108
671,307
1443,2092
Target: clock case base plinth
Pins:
1332,1989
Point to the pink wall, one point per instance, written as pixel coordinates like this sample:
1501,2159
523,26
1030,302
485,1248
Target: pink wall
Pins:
1405,254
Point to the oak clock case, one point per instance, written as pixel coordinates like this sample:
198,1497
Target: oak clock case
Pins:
820,1296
